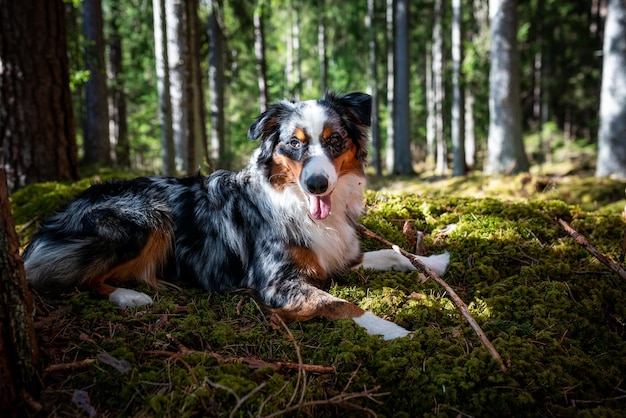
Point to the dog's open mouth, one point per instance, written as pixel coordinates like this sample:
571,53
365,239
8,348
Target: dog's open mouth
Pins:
319,206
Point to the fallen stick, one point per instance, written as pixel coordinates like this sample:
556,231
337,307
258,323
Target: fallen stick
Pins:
458,302
592,250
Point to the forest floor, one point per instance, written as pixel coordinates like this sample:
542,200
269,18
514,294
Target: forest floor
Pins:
551,309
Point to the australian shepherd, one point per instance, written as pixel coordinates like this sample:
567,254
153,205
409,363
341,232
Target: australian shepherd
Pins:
279,228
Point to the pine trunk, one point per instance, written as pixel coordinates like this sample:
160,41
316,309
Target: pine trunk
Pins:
96,130
216,87
458,126
18,344
37,132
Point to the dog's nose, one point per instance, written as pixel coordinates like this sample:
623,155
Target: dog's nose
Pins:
317,184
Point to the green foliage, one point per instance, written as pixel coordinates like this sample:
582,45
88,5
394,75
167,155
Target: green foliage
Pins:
554,313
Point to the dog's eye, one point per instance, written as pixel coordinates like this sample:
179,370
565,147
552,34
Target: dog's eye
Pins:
295,143
334,137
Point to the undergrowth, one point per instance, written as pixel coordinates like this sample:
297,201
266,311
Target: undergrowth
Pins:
554,313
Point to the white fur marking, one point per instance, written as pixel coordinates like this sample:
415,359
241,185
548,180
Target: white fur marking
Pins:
127,298
315,117
391,260
378,326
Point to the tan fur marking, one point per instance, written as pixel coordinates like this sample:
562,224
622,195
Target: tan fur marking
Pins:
142,268
284,171
348,163
328,131
319,304
309,265
299,134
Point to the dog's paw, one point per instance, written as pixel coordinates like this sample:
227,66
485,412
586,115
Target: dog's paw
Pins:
378,326
127,298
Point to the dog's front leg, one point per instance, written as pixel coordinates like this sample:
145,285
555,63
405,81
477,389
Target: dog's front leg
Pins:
301,301
391,260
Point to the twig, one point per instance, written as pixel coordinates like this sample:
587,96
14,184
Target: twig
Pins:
592,250
458,302
69,366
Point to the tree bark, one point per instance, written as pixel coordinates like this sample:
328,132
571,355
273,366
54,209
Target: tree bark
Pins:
197,139
216,86
391,63
402,144
321,45
178,61
441,163
18,344
458,114
259,54
37,132
505,148
163,87
612,132
118,123
373,75
96,130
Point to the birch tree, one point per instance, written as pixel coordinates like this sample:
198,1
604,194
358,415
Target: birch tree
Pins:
612,132
163,86
457,125
505,149
216,85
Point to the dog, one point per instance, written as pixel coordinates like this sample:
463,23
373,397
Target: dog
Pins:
280,228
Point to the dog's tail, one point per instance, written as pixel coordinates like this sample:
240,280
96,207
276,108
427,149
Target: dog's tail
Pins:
58,258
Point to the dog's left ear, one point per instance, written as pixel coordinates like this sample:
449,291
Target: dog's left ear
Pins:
357,105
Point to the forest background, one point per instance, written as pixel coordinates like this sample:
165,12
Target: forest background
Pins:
182,81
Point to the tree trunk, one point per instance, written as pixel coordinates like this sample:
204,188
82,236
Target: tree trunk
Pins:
96,131
458,125
197,138
37,133
216,86
612,132
163,87
402,146
178,62
505,148
441,163
18,344
391,63
118,123
259,54
470,135
293,73
431,137
373,82
321,45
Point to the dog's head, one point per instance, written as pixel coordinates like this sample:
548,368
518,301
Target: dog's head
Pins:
313,143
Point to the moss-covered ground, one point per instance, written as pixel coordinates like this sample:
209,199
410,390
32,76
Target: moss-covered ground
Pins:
555,314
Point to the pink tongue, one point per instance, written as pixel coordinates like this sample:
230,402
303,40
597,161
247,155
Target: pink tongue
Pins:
319,207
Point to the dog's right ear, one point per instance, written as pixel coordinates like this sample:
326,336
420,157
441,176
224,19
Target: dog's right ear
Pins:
267,129
268,122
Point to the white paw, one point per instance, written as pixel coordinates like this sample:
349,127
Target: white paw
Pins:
378,326
127,298
391,260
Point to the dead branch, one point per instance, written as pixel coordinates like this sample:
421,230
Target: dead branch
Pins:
592,250
458,302
69,366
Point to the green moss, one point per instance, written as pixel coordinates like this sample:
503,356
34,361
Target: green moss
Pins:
554,313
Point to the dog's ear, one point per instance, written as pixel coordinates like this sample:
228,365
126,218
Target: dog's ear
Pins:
357,105
266,128
268,122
